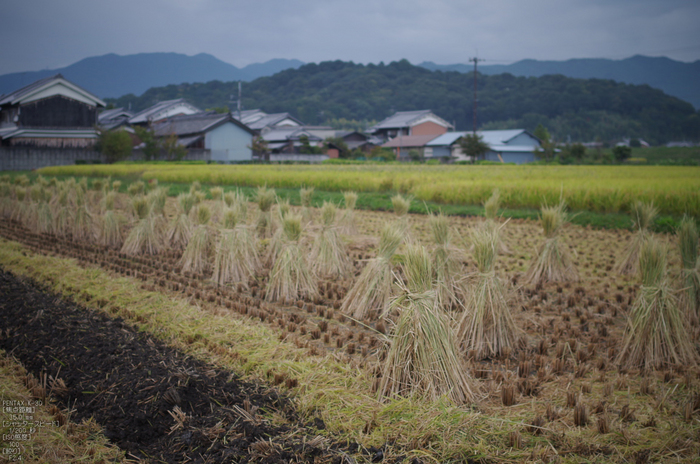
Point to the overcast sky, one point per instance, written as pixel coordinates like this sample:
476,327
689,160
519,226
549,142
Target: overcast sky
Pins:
49,34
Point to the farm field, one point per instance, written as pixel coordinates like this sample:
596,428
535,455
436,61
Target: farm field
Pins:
607,189
297,378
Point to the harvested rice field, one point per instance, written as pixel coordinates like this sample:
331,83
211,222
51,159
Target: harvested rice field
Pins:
144,346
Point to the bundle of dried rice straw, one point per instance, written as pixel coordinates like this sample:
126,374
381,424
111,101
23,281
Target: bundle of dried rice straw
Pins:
656,335
422,356
487,327
370,295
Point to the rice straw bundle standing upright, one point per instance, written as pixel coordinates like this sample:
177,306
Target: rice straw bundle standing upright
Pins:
446,264
180,229
96,192
196,256
22,181
236,257
20,208
62,212
690,268
491,207
370,295
109,232
347,224
41,181
305,195
277,241
229,198
492,204
240,203
44,214
6,203
157,198
81,227
199,195
217,193
422,356
217,196
329,257
265,198
82,184
148,234
643,215
487,327
136,188
283,208
552,263
401,206
238,200
30,217
291,278
656,334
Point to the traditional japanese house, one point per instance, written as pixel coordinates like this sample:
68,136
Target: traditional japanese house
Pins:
51,112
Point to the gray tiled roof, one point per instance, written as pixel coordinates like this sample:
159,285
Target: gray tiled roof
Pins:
106,115
12,97
399,119
249,116
272,120
193,124
145,115
288,133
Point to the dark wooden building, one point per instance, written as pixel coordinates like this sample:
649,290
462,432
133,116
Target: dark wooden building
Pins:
51,112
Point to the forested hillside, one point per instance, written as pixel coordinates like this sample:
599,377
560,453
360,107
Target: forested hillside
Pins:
676,78
572,109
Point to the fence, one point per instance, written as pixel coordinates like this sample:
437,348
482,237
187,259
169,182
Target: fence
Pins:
26,158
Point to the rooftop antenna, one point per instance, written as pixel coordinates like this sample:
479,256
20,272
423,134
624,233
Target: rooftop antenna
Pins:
475,60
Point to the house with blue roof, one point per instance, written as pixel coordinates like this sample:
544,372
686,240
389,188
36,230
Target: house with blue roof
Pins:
506,146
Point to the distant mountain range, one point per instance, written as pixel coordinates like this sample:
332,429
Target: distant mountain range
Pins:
676,78
114,75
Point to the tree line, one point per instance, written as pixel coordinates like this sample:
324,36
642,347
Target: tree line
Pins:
574,110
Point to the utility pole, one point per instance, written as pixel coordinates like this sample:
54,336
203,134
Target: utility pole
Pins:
239,100
475,60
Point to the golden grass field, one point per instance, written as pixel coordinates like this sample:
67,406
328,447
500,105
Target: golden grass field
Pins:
605,189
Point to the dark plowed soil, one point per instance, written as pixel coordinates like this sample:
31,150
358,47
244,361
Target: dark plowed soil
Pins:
152,401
